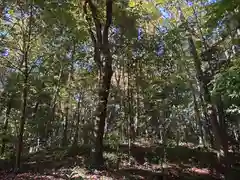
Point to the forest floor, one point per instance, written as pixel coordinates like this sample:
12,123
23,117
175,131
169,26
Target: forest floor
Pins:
183,162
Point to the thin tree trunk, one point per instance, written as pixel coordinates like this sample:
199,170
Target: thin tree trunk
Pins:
137,99
131,116
129,113
65,128
75,140
131,129
70,79
35,110
5,126
52,110
198,117
26,48
22,122
207,125
204,89
65,125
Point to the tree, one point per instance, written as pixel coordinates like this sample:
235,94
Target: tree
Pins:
101,48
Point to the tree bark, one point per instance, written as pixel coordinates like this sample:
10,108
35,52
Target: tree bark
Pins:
198,117
5,127
22,123
75,140
65,128
101,48
131,128
26,48
52,110
204,88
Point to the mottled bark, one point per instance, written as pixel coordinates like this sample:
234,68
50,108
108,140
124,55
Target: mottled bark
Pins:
103,59
5,126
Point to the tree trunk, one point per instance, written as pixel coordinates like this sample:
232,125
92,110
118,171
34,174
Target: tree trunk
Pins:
206,125
52,109
222,123
26,48
65,129
5,126
211,109
65,125
131,128
75,140
137,100
101,116
22,123
35,110
101,47
198,117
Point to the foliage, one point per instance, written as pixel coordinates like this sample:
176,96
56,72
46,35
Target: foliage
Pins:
175,67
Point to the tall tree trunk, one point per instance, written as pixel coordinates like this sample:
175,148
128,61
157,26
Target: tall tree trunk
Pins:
66,119
75,140
26,49
137,99
129,111
131,128
67,103
5,126
52,109
204,88
198,117
101,47
206,125
22,122
65,128
207,97
101,116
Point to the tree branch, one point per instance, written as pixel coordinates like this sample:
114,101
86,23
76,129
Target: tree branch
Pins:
96,43
108,21
96,20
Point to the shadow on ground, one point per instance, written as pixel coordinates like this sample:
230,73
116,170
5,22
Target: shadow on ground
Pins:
182,163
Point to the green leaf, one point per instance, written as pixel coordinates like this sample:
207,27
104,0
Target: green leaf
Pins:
132,3
11,11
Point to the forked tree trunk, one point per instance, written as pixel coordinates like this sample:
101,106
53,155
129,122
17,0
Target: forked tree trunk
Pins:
103,59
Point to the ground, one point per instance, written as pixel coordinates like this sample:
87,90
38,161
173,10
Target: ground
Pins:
144,162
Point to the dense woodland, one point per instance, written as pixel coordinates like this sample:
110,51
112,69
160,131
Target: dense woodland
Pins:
120,89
